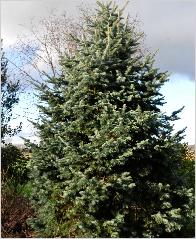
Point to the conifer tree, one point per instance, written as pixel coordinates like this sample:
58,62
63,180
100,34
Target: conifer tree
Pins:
108,161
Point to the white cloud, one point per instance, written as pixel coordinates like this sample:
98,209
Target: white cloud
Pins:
169,25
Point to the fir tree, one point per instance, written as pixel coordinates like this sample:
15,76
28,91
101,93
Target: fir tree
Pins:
108,161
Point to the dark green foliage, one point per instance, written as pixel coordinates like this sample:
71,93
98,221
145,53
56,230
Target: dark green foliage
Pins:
9,97
188,173
188,169
108,163
14,164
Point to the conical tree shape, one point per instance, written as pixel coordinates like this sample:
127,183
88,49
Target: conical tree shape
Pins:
107,164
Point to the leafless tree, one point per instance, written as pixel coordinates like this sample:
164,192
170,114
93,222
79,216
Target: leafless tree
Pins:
38,53
48,40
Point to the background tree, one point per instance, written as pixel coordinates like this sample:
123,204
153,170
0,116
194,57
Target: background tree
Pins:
35,56
108,163
38,52
9,98
15,207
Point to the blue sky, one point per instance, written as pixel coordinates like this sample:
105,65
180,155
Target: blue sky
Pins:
177,94
168,25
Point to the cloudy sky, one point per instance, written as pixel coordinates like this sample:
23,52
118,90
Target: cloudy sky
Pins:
169,26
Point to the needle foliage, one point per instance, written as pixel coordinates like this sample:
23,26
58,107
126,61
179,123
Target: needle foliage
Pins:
108,161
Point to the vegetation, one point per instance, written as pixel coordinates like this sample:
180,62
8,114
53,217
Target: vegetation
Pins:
188,174
188,169
9,97
15,185
15,208
14,163
109,163
15,192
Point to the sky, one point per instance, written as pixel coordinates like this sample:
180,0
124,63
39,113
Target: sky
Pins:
168,25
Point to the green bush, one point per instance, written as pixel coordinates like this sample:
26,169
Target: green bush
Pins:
14,163
15,192
187,172
187,169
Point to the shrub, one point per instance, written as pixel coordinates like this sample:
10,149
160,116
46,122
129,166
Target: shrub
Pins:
14,163
15,191
189,167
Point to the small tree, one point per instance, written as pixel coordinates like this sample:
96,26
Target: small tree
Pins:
9,98
108,163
